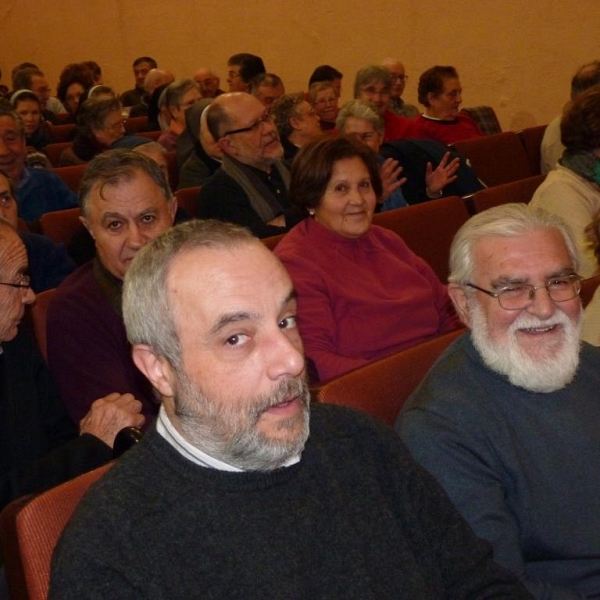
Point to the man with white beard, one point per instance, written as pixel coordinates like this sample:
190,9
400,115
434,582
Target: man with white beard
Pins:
508,418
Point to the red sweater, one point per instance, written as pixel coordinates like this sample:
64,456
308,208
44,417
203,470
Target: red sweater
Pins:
361,299
397,127
447,132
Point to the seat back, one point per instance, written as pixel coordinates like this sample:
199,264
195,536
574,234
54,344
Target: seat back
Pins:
428,229
381,388
172,169
53,152
136,124
39,311
496,159
516,191
60,225
71,175
588,289
271,242
30,529
62,133
531,138
187,198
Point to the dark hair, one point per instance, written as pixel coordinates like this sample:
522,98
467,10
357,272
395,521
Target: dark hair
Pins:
432,82
268,79
324,73
145,59
313,165
580,123
250,65
283,110
114,166
586,77
20,95
21,67
94,67
74,73
22,78
369,74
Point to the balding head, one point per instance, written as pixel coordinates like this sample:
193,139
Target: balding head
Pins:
157,77
208,82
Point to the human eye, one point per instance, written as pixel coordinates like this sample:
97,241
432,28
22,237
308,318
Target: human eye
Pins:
290,322
365,184
5,199
341,187
10,138
514,291
560,282
113,225
237,340
148,219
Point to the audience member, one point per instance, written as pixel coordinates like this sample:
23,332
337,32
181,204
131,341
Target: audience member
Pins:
157,77
38,191
125,202
238,492
99,124
243,68
362,120
138,94
297,123
197,165
95,69
552,148
572,190
325,104
31,78
251,186
37,131
440,93
208,82
158,154
74,80
179,96
49,262
506,419
327,74
399,77
399,300
373,84
41,446
154,79
267,88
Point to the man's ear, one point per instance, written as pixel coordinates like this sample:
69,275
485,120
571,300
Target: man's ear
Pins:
295,122
226,146
86,224
173,208
157,369
460,299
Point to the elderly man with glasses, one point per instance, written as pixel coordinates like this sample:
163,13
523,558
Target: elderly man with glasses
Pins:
399,77
251,186
507,419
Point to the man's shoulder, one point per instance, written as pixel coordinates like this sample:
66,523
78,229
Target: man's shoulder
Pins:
219,181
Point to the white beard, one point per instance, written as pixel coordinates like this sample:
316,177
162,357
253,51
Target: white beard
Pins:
551,370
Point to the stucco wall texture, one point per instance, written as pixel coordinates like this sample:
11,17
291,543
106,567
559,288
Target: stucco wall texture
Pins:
515,55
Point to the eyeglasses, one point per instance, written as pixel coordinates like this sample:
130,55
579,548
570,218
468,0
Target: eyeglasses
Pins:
521,295
399,77
116,126
254,127
23,283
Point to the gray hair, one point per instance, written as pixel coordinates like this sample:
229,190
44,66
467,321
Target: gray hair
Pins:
370,74
358,109
6,110
266,79
93,112
507,220
176,90
284,109
112,167
147,309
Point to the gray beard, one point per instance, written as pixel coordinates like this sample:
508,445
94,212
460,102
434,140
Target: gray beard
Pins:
231,434
552,370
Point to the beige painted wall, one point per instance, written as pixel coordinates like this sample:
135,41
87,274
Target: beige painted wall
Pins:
517,56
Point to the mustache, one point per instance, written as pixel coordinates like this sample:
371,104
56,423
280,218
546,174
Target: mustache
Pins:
289,389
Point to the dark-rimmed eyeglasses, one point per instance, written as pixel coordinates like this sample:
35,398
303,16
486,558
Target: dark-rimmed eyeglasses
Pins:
521,295
258,123
23,283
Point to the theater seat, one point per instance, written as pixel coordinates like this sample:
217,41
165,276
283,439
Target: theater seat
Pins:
53,152
381,388
271,242
187,198
60,225
531,138
496,159
428,229
30,529
71,175
516,191
588,289
39,311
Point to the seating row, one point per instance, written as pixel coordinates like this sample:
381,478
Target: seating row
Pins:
504,157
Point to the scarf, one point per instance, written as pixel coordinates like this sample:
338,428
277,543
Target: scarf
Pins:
261,198
583,162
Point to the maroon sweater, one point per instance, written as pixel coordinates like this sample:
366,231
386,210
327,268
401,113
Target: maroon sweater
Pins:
361,299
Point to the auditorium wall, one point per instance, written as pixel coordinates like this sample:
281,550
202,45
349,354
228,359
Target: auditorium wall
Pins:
517,56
